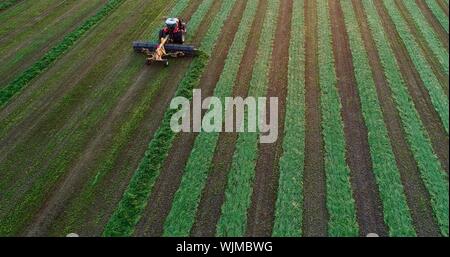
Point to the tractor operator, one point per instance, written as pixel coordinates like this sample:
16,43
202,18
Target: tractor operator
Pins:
175,29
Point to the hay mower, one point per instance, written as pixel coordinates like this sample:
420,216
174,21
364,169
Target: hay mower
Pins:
170,45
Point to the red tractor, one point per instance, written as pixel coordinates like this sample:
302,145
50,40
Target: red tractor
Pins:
171,43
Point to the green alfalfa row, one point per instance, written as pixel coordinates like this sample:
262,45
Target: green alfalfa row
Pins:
428,33
340,202
435,179
187,197
396,211
134,201
289,204
233,219
438,97
438,13
53,54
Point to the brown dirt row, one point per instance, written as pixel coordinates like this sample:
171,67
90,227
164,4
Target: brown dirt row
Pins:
315,215
417,90
416,193
368,205
260,217
434,23
31,59
81,171
160,201
209,208
429,55
443,5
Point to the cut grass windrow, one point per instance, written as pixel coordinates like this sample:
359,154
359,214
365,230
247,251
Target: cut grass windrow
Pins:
8,3
396,211
435,179
135,198
233,219
437,95
438,13
196,172
288,209
428,33
53,54
340,202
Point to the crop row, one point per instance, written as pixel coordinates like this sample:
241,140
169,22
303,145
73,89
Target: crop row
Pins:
136,196
340,203
428,33
437,95
438,13
187,197
289,205
238,191
53,54
429,166
396,211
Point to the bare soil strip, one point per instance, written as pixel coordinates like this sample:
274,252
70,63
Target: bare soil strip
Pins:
367,198
315,216
168,182
209,209
443,5
429,55
417,90
260,216
416,193
434,22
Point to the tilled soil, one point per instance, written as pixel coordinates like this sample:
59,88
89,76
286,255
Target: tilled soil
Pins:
315,215
160,202
260,216
368,205
209,208
430,119
416,193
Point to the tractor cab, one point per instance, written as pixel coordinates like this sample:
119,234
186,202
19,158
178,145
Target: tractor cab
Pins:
175,28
